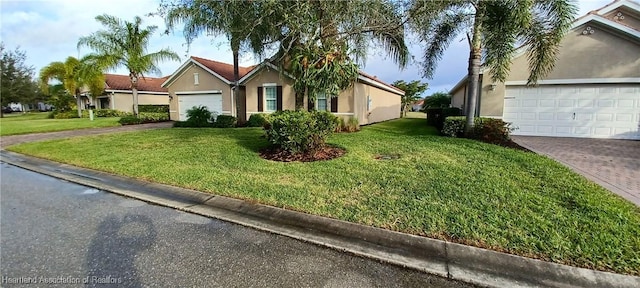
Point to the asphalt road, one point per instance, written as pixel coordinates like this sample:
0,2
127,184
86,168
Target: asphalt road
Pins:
58,234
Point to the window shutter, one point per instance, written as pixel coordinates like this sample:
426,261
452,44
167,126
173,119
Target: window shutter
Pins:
312,105
334,104
279,98
260,100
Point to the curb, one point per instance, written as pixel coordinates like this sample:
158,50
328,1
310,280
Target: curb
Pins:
454,261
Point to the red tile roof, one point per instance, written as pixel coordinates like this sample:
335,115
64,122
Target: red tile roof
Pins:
223,69
122,82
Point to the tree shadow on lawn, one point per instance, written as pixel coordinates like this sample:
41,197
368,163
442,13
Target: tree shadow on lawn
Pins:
251,139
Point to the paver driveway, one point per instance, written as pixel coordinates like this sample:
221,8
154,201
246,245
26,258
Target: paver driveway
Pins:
614,164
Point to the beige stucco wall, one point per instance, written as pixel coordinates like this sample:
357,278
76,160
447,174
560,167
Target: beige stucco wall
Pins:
268,75
384,105
599,55
630,18
207,82
124,101
458,97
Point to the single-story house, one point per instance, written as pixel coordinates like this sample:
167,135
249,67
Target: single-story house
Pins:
593,91
118,95
263,89
417,105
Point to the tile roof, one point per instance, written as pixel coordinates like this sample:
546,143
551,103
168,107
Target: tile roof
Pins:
223,69
122,82
374,78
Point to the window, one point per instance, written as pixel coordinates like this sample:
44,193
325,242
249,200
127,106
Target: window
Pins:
270,98
196,79
322,102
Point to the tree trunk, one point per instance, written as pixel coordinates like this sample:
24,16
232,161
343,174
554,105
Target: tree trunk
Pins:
236,78
135,100
134,91
79,103
473,76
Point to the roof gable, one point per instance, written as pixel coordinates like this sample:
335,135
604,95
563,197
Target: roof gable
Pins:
220,70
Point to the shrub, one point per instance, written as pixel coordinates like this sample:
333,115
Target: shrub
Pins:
199,116
65,115
153,109
300,131
489,130
152,117
225,121
257,120
351,125
130,120
105,113
436,116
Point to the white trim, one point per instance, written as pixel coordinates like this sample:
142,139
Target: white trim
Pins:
226,112
344,113
269,84
184,66
199,92
616,5
196,79
379,85
459,84
263,112
139,92
578,81
173,111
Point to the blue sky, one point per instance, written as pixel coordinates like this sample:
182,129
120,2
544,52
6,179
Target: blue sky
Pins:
48,30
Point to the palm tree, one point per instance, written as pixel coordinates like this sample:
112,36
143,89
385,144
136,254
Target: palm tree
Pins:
234,19
493,30
75,75
124,44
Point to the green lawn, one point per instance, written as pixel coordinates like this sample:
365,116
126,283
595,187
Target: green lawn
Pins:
446,188
14,124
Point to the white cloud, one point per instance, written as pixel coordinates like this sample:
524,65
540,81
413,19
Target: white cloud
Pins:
48,31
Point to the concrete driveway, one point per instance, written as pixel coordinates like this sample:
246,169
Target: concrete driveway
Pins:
614,164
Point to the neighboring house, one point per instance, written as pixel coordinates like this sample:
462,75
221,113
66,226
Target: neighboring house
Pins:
593,91
263,89
118,94
417,105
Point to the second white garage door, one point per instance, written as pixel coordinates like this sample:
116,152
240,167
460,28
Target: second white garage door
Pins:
593,111
213,102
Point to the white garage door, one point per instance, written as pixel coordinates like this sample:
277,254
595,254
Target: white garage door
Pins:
593,111
213,102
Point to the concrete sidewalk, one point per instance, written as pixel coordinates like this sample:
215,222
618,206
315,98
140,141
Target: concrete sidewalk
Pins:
6,141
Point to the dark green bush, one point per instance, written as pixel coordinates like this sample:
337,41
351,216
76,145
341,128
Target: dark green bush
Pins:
225,121
105,113
153,108
199,116
300,131
257,120
489,130
130,120
436,116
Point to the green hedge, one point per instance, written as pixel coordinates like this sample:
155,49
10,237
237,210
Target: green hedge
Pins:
490,130
436,116
258,120
225,121
153,108
64,115
105,113
144,117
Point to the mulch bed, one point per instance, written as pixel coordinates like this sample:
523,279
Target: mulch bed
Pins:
513,145
326,153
